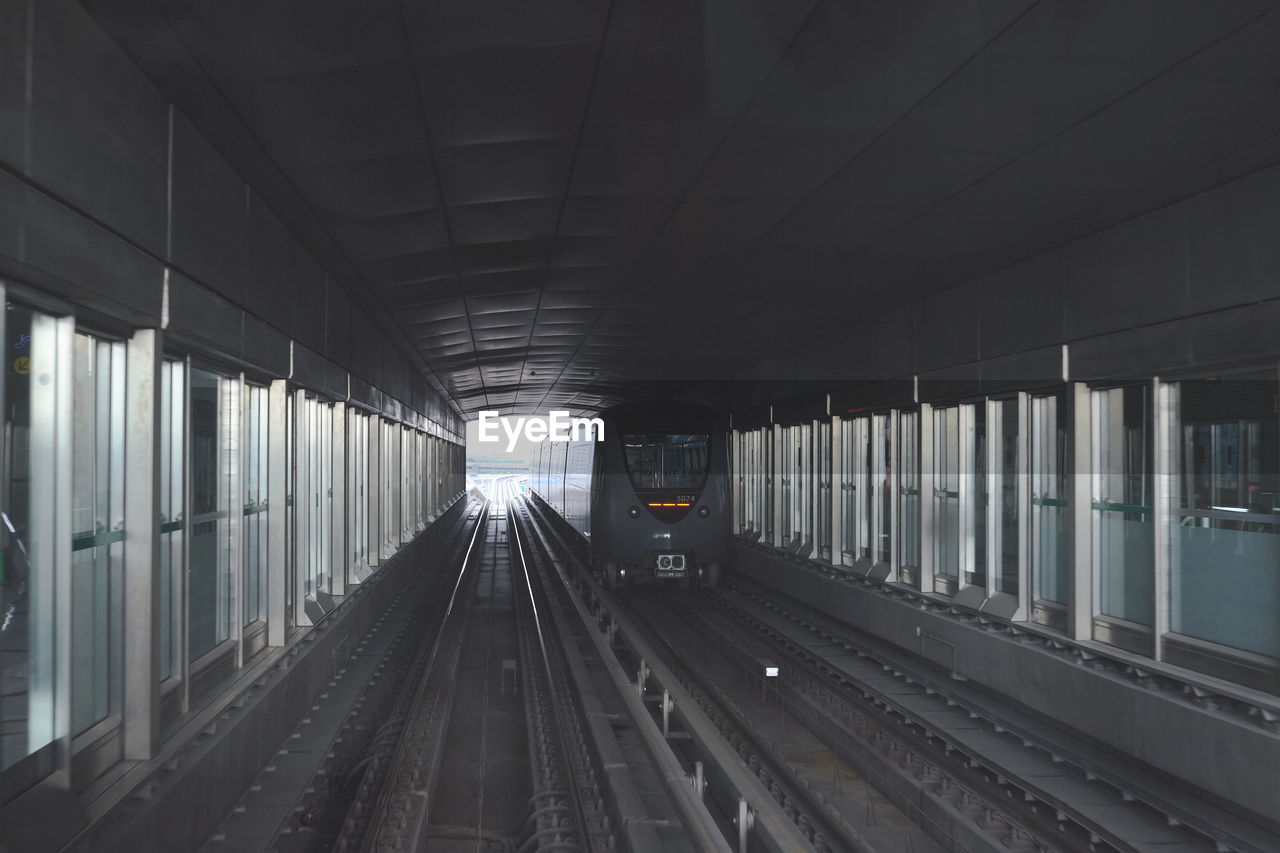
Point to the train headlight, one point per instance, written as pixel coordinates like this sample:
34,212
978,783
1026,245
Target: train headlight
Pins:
704,511
633,511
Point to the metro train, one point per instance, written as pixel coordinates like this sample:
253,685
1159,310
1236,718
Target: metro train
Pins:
650,500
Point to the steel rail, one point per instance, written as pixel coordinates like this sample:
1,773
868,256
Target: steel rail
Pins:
773,827
1229,834
558,711
699,825
399,818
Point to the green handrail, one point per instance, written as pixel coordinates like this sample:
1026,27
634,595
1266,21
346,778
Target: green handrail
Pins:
1107,506
85,541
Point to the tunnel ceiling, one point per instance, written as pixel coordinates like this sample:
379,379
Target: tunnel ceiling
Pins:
559,201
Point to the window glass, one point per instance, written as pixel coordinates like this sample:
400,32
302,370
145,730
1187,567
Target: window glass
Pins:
909,492
767,486
1006,579
674,461
97,525
1225,562
291,510
357,493
391,487
26,572
1123,502
881,474
255,505
212,446
977,494
855,491
824,489
172,513
1050,512
946,494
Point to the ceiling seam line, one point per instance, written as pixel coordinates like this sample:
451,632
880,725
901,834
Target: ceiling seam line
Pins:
684,197
849,256
555,234
813,10
897,121
885,131
823,335
429,374
435,173
1042,143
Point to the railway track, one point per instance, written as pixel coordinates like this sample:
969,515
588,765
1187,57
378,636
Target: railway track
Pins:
1014,777
499,737
974,773
756,802
521,707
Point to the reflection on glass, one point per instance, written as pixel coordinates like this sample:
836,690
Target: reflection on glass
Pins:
881,491
172,513
19,623
824,492
908,491
1007,574
849,486
1051,530
1122,452
946,461
976,482
97,525
255,505
212,455
1225,562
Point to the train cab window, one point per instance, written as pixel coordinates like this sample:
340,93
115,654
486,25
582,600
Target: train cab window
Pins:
670,461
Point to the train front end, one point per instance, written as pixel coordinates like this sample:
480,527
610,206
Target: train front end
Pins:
664,496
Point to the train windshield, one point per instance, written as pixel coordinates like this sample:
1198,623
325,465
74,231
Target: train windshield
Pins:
667,461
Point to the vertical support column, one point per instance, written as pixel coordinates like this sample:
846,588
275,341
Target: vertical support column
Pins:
1165,396
1080,618
278,516
340,552
928,483
141,676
